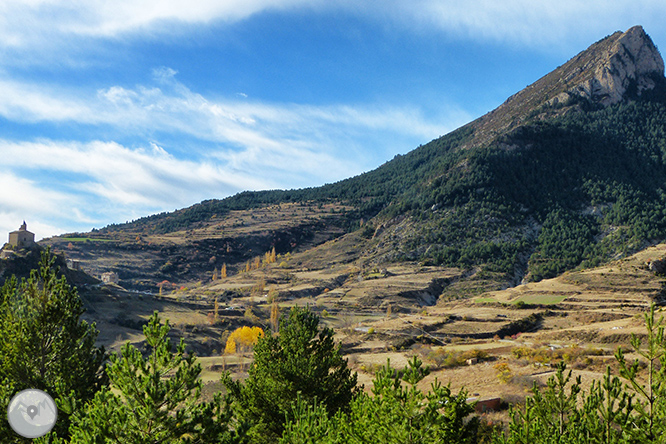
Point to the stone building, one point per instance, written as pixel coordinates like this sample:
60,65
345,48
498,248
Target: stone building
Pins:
110,277
22,238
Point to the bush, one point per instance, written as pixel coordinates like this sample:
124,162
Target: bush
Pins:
454,358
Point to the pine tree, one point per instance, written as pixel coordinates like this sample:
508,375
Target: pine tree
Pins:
396,412
153,399
651,393
300,359
45,345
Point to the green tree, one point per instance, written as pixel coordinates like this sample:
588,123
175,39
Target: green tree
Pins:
551,416
396,412
650,388
154,399
608,409
300,360
611,412
45,345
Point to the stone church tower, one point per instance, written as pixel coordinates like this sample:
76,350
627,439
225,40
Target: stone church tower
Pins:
22,238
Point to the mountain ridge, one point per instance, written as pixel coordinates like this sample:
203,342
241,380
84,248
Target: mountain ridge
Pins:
602,74
510,192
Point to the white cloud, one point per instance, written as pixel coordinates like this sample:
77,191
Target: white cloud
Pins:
528,22
248,145
24,199
272,134
120,175
542,23
96,183
28,102
25,195
25,22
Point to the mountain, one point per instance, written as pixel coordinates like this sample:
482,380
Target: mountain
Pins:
568,172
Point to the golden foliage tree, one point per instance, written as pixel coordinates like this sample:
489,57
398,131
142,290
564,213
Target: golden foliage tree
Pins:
275,315
270,257
243,339
504,373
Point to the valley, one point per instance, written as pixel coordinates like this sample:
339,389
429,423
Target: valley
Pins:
402,310
533,235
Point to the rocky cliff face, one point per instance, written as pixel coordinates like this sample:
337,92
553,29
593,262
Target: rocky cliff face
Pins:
623,65
630,61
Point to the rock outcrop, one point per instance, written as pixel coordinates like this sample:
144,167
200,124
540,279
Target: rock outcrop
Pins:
618,67
630,63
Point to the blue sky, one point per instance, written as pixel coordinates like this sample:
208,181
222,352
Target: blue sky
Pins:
110,111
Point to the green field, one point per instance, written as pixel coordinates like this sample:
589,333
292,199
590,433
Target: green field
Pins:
484,300
541,299
84,239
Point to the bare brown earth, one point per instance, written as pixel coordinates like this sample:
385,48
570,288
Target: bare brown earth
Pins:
142,258
397,311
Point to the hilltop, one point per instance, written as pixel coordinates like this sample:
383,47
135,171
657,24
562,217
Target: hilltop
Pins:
534,228
568,172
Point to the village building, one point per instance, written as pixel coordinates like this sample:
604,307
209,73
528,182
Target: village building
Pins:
22,238
110,277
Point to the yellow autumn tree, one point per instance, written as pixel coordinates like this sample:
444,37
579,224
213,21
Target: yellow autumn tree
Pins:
243,339
275,315
270,257
223,271
230,348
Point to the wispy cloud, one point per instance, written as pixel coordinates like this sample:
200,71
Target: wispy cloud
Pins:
237,124
241,145
94,183
29,23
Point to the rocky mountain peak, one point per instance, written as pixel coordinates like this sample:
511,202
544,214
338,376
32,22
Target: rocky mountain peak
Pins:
627,61
620,66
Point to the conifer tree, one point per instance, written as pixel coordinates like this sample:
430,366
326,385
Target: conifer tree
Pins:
153,400
45,345
650,389
301,358
396,412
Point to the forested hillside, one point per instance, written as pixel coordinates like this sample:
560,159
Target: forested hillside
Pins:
568,172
